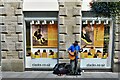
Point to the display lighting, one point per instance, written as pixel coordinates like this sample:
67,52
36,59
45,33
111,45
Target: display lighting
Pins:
90,22
106,22
99,22
93,21
52,22
32,22
44,22
38,22
84,22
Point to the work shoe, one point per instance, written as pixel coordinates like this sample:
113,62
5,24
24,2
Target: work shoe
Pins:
86,38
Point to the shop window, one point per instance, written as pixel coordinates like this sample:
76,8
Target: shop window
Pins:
97,37
41,43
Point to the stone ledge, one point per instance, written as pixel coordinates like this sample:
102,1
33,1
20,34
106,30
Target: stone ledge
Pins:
4,46
76,11
2,19
117,28
117,37
61,20
3,29
117,45
61,54
12,55
78,20
18,12
20,37
77,37
62,46
3,54
11,19
12,37
76,29
78,3
20,19
9,10
2,11
63,11
16,65
61,4
3,37
62,37
64,60
20,54
19,29
12,0
117,54
1,3
19,46
62,29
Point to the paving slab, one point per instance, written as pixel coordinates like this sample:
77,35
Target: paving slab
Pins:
48,74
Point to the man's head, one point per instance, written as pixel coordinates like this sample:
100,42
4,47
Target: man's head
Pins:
75,43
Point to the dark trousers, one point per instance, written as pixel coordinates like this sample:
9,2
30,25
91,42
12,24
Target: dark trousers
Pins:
74,65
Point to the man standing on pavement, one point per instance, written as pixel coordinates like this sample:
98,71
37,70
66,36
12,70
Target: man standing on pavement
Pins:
73,51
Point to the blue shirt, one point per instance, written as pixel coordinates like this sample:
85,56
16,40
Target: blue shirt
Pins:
72,48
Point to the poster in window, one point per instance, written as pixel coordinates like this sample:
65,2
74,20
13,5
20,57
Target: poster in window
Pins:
93,37
40,35
87,35
45,35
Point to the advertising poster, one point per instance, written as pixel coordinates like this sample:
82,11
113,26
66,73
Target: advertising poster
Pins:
40,35
53,35
45,35
44,57
96,53
99,35
43,49
87,35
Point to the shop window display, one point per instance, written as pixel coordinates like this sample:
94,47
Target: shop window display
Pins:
41,43
97,38
43,36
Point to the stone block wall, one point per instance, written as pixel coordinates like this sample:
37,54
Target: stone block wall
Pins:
11,29
116,45
117,37
69,24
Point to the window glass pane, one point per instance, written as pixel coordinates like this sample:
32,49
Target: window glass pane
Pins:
41,43
97,38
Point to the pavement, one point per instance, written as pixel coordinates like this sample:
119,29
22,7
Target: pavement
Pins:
37,75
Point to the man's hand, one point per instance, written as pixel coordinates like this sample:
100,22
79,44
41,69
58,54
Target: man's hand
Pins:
78,59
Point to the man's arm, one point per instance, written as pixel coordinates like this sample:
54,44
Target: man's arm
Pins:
70,51
81,49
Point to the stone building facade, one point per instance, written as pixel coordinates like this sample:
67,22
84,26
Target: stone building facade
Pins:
11,31
117,36
69,24
117,44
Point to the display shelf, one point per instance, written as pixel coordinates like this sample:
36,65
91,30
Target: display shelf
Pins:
45,47
42,47
89,46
